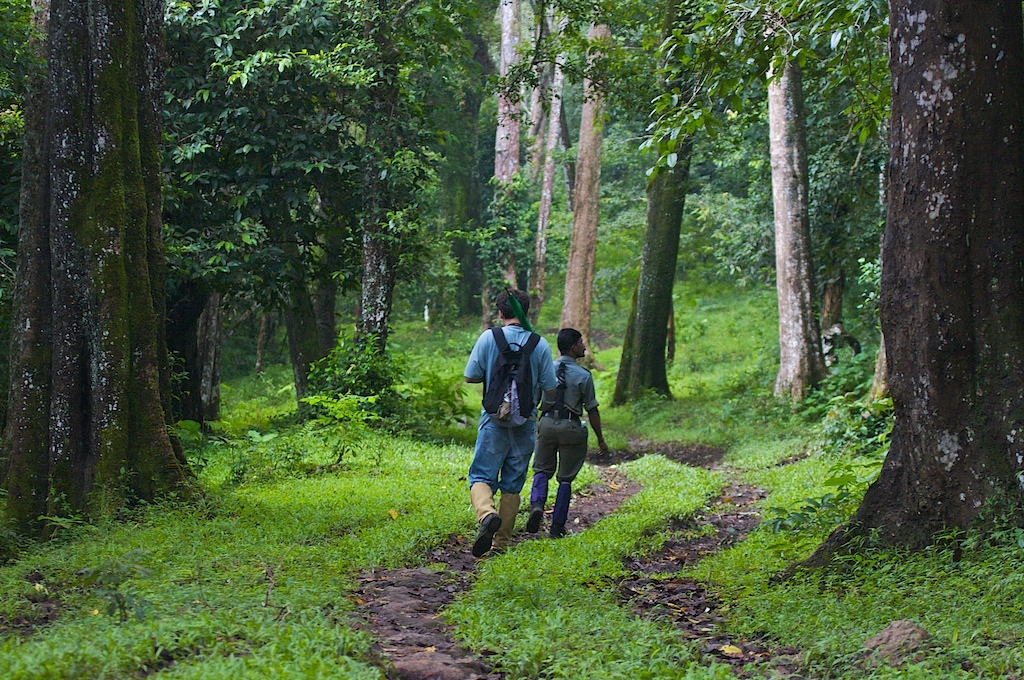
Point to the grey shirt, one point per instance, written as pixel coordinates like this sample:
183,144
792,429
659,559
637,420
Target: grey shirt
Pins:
579,387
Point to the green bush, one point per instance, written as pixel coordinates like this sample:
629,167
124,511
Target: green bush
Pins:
358,367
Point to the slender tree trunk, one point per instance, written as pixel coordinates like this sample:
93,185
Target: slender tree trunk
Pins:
569,167
303,339
952,302
262,337
642,366
506,147
670,353
580,267
880,382
87,429
538,122
323,306
209,338
832,302
186,304
801,364
547,186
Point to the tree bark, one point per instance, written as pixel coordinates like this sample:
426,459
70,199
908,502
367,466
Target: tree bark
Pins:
538,122
303,337
952,304
323,307
87,430
642,366
801,364
547,186
880,383
579,269
262,337
186,304
832,302
209,338
569,167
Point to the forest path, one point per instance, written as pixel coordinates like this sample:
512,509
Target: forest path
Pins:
401,607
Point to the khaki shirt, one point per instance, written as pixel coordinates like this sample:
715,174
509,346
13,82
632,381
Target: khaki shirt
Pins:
579,387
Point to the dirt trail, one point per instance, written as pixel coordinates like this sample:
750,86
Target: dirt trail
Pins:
401,607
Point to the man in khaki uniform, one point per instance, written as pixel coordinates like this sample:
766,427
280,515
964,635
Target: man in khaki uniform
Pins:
561,435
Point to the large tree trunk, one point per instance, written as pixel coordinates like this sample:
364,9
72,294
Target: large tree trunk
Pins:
832,301
579,269
538,121
801,364
547,186
642,366
187,302
87,427
952,303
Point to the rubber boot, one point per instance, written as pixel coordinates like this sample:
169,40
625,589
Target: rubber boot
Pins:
561,511
538,496
508,506
482,497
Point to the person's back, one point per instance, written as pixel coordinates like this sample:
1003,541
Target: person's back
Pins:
503,448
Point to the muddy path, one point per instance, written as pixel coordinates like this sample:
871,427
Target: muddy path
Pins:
401,607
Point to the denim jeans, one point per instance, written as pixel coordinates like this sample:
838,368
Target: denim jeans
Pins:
502,454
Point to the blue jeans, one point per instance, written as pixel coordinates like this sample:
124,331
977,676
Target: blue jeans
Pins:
502,454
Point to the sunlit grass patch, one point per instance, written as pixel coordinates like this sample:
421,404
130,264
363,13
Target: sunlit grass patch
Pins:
253,582
548,609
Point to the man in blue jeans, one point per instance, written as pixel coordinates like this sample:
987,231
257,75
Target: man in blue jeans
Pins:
503,450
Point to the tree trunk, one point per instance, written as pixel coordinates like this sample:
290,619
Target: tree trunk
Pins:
801,364
880,383
262,337
952,303
579,269
547,186
506,151
87,427
506,140
538,121
379,273
303,337
209,338
670,353
642,366
569,167
187,302
832,302
323,306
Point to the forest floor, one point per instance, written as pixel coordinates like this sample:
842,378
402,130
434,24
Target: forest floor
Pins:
322,550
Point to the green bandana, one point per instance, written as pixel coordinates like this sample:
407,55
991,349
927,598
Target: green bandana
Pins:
517,309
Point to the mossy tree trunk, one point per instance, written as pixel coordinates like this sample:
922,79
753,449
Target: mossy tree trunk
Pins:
642,366
87,427
952,304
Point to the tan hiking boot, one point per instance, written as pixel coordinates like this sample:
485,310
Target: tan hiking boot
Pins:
482,498
508,506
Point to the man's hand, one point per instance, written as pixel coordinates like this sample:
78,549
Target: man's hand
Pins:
602,446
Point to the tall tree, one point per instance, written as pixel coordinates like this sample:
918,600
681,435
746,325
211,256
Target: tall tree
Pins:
87,427
952,273
547,184
579,269
642,366
801,364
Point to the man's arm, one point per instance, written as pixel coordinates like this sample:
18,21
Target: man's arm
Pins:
594,416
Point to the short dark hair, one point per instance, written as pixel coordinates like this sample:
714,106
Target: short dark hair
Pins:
567,337
506,309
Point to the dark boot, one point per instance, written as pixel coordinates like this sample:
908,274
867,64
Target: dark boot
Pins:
485,536
538,496
561,511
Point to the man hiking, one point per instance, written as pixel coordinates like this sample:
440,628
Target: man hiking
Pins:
514,364
561,435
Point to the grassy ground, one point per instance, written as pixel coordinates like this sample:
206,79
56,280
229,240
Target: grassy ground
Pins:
257,580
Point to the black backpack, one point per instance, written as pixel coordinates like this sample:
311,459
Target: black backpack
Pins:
511,367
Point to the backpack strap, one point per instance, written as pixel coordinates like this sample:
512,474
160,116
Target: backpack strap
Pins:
499,339
531,344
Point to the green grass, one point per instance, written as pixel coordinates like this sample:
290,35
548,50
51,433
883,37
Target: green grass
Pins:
548,608
307,507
